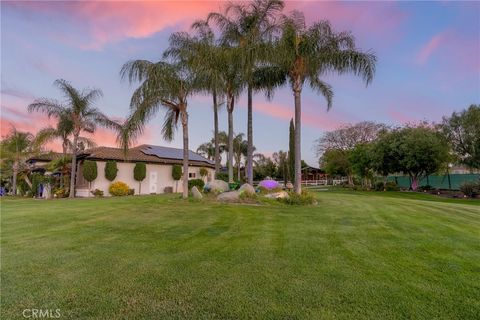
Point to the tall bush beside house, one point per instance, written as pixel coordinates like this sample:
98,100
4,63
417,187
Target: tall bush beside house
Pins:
139,174
176,174
111,170
203,172
90,172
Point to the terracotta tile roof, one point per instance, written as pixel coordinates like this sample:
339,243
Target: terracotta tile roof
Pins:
137,155
49,156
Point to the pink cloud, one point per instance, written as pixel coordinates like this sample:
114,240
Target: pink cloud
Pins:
112,21
104,22
327,122
430,47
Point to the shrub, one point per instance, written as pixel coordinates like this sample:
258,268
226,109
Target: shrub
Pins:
118,189
269,184
305,198
60,192
176,174
426,188
203,172
168,190
222,176
111,170
131,192
470,189
234,185
391,186
97,193
199,183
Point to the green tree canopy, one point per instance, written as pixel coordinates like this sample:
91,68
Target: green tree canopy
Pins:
462,129
90,172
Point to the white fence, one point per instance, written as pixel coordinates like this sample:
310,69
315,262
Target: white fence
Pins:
307,183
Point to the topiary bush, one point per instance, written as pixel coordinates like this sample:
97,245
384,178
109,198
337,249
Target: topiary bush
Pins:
111,170
139,174
90,172
176,174
199,183
119,189
305,198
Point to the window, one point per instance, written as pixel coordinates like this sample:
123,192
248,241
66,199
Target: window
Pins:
192,175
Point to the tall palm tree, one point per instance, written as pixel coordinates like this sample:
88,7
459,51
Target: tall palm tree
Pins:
250,28
307,54
201,52
16,148
78,107
163,84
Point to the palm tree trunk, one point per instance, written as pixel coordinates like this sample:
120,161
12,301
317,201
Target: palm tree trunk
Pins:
238,169
14,180
184,116
230,138
215,123
298,155
74,166
249,166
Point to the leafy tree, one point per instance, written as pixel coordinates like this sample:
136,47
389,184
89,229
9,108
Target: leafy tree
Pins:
422,151
291,152
336,162
90,171
462,129
385,154
139,174
310,53
281,160
348,136
111,170
176,174
360,158
264,167
163,84
78,107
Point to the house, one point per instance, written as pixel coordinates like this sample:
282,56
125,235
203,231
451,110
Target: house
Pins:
159,162
38,163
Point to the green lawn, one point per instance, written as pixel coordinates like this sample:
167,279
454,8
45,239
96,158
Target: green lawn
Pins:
354,256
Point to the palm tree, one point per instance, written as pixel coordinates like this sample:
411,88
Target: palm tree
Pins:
16,148
249,27
240,147
207,150
78,108
163,84
309,53
202,54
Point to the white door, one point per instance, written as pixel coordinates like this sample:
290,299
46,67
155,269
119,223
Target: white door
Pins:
153,182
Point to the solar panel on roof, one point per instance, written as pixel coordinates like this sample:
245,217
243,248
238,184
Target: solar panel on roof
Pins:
173,153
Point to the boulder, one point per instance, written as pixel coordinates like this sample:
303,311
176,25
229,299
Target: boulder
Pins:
196,194
246,188
231,196
217,186
277,195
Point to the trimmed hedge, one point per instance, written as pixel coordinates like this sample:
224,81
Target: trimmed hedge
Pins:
196,182
111,170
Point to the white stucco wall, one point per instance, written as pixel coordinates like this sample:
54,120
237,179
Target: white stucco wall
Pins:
157,178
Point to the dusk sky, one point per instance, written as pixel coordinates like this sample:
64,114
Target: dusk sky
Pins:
428,64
